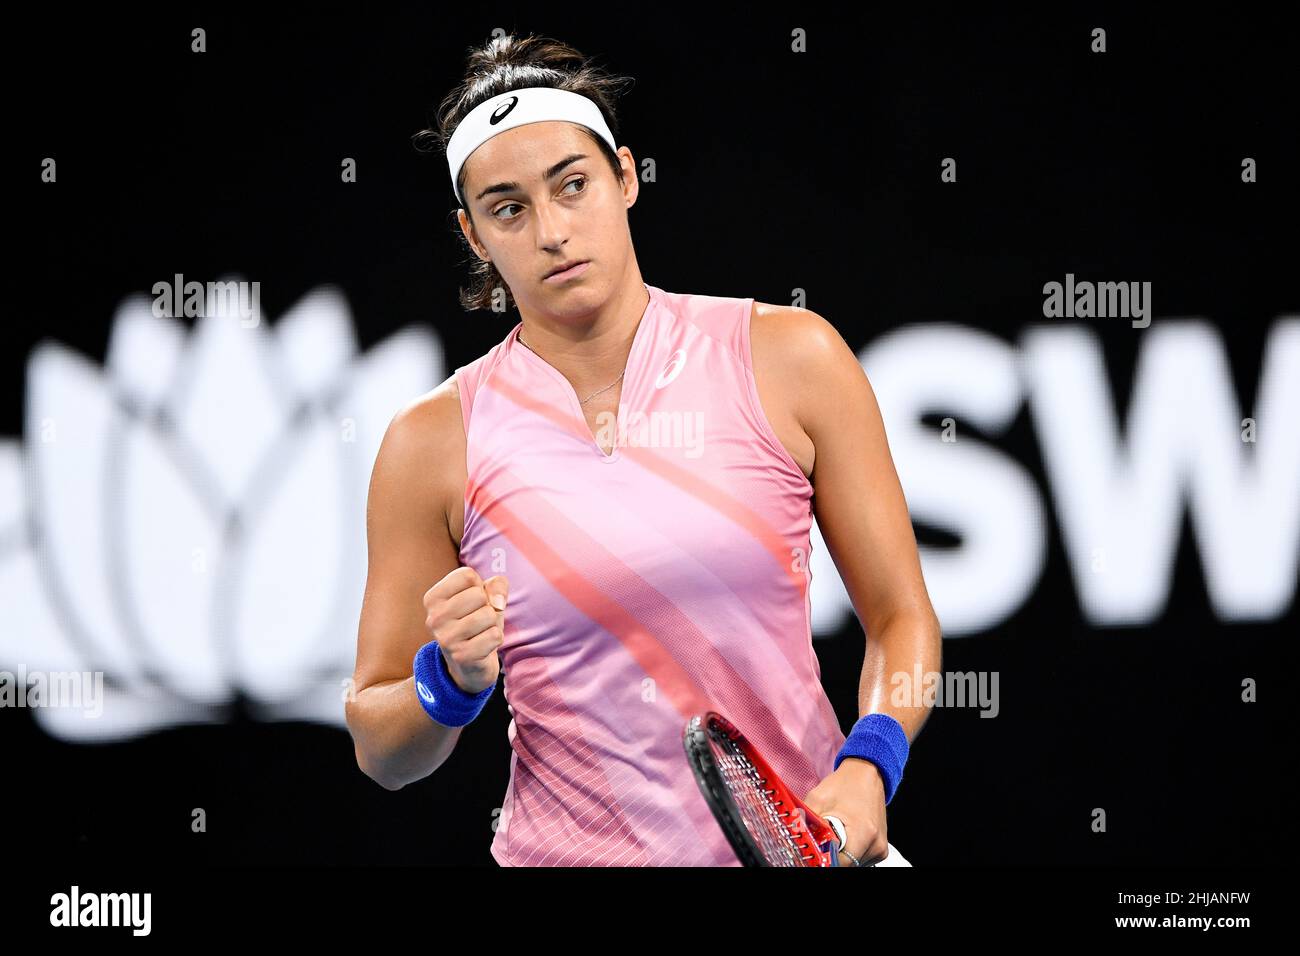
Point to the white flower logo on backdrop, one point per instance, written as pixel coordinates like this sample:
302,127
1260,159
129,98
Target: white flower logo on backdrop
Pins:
190,519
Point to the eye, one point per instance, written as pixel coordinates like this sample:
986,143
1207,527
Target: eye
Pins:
576,179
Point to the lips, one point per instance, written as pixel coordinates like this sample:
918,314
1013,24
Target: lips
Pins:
565,267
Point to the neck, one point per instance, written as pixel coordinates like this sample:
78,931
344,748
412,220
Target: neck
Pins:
590,349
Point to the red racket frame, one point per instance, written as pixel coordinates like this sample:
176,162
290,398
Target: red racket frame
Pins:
810,831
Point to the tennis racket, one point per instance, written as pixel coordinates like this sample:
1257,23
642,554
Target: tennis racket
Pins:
766,824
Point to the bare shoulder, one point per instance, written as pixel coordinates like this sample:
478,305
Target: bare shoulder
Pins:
428,424
422,456
777,341
800,334
807,376
804,348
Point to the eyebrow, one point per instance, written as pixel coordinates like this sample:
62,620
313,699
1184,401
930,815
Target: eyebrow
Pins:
549,174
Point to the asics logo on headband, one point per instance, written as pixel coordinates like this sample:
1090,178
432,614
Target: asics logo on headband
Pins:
502,111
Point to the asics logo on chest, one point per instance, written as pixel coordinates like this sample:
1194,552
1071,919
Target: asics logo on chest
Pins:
674,367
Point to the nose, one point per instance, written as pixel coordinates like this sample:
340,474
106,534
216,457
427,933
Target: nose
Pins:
551,226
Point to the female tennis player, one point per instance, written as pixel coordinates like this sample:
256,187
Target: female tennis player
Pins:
610,509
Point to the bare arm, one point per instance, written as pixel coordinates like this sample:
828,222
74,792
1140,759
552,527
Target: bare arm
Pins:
863,515
410,548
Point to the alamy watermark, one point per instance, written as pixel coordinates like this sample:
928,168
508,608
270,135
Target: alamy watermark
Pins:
656,429
1102,300
977,689
236,299
129,910
83,690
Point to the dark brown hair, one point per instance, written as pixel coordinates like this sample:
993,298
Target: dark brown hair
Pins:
508,63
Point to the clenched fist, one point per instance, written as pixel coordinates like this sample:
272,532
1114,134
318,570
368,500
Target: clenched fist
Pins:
466,616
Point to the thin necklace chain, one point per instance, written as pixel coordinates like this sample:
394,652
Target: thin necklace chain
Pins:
593,394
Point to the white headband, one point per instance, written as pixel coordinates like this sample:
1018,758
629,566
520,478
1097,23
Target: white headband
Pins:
533,104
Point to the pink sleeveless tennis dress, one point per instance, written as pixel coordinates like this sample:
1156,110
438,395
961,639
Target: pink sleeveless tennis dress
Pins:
668,578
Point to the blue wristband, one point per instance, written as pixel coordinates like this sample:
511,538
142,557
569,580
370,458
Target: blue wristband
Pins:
440,696
880,739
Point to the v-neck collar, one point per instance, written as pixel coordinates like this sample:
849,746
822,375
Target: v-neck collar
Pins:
575,404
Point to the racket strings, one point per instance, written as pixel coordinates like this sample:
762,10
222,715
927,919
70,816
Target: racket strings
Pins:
777,831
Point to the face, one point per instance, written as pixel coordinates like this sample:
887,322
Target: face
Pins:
536,208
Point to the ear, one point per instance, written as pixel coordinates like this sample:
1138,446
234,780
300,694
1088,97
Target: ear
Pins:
467,228
631,181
